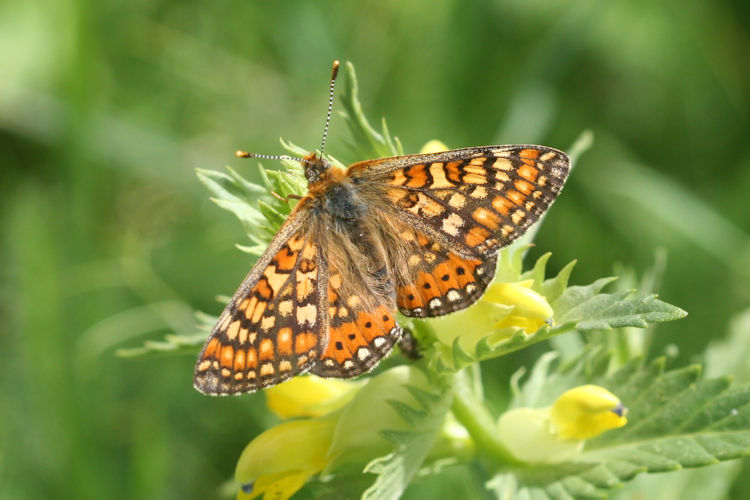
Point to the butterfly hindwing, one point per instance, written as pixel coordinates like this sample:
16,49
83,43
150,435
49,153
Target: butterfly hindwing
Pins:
362,326
435,280
270,331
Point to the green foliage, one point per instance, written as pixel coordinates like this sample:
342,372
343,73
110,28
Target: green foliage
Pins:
677,420
108,241
366,141
714,419
397,469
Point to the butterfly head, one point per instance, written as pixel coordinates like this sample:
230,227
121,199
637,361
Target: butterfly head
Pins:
316,168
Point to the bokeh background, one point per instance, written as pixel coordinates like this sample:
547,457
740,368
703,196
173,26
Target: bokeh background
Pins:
108,239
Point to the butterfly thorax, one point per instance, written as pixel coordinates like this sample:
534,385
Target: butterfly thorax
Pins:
333,194
344,227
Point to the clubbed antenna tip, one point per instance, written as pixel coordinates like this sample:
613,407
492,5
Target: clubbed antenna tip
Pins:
335,70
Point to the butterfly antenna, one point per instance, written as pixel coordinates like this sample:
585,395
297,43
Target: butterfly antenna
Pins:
244,154
334,73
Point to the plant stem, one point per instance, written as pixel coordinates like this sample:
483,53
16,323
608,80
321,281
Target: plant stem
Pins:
471,412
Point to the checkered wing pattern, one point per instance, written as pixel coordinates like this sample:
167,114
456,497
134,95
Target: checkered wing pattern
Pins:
271,330
455,210
434,280
419,234
477,200
360,330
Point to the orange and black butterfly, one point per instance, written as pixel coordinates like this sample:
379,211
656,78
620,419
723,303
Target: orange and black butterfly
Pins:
417,234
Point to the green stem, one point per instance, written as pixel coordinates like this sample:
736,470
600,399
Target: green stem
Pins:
471,412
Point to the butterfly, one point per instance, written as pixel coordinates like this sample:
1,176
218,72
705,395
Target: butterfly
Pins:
416,234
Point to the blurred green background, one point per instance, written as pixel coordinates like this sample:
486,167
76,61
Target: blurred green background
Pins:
108,239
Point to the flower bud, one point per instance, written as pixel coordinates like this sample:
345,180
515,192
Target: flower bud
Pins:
587,411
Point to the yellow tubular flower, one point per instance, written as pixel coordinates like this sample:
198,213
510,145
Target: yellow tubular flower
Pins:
278,462
310,396
587,411
558,432
503,308
531,310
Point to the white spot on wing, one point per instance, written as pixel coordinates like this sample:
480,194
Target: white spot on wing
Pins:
363,353
452,223
306,314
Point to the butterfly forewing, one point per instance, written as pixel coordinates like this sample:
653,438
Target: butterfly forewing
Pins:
478,199
270,331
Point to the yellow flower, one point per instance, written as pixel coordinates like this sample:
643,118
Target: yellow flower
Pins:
502,309
278,462
558,432
531,310
310,396
433,146
587,411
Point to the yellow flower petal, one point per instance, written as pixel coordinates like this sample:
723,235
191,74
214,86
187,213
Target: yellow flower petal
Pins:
470,325
558,432
279,486
530,325
502,309
526,301
310,396
587,411
282,458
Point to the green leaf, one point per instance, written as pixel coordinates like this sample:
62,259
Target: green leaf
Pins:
171,344
368,143
396,470
553,288
607,311
410,415
707,482
575,296
676,420
581,308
